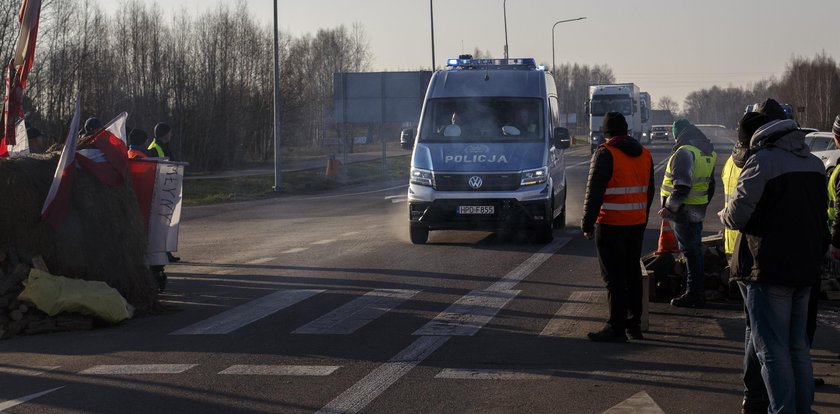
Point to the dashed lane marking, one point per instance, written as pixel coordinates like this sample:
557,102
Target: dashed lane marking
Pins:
26,371
233,319
567,322
18,401
295,250
261,261
357,313
358,396
350,234
468,314
141,369
327,241
493,374
281,370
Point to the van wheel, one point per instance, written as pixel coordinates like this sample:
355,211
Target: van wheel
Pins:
418,235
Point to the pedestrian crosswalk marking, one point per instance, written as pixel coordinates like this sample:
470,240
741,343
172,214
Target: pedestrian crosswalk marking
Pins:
493,374
357,313
281,370
640,403
568,321
468,314
260,261
18,401
140,369
510,280
327,241
233,319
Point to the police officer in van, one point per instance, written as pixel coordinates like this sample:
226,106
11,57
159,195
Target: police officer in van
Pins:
619,193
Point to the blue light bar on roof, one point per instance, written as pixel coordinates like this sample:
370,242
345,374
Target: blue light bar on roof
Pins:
491,62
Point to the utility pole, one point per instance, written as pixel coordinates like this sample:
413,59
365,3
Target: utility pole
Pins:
504,11
278,164
432,14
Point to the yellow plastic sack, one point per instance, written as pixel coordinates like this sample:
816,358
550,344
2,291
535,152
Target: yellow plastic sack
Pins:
57,294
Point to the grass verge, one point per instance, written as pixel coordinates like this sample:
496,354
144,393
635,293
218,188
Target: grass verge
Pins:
215,190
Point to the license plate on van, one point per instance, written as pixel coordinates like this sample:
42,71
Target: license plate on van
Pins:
476,209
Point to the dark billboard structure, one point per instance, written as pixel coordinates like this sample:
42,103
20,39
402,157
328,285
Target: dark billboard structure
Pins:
379,97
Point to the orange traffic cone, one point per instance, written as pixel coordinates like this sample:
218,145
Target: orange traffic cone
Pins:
667,240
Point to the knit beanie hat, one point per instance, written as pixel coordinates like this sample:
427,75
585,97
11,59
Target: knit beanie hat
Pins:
772,109
161,130
137,137
836,127
92,124
748,124
614,124
679,126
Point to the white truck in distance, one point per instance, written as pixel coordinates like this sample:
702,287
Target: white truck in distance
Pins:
620,97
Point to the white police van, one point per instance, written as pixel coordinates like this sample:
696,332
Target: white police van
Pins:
489,151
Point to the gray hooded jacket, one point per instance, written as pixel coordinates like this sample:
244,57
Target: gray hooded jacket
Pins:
779,205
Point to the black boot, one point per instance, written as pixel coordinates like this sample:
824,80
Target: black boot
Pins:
172,259
689,301
608,334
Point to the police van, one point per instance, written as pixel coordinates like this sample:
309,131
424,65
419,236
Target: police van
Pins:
488,153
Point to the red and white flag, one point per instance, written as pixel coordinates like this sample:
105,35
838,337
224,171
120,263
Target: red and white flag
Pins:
21,148
18,69
108,159
58,199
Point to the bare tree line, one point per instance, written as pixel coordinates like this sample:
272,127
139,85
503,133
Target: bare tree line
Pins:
573,81
810,85
210,76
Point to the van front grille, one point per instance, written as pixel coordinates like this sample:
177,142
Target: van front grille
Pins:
489,182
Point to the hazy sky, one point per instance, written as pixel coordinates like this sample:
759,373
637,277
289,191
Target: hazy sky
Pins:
668,47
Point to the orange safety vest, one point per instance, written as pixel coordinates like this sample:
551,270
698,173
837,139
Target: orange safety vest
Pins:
626,199
133,153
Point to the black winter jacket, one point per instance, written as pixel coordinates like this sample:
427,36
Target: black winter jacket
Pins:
600,173
779,206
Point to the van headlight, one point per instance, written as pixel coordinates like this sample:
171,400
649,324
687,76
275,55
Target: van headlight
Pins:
537,176
422,177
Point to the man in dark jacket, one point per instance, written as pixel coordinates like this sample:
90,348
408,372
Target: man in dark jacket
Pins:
687,188
779,206
619,193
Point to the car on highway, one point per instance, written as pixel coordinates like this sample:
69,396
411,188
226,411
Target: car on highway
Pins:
822,145
660,132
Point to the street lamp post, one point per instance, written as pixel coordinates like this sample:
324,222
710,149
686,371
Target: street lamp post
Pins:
504,12
553,65
432,14
278,166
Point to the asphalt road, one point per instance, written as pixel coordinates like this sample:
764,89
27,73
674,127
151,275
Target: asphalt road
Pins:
302,304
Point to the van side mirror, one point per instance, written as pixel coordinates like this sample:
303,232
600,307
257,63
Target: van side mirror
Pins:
562,140
586,107
407,139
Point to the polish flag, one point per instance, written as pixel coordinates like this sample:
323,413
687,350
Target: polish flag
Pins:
18,69
58,199
108,159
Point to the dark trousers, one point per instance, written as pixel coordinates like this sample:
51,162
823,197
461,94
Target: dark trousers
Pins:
619,251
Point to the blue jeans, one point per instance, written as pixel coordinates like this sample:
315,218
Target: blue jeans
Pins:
754,389
689,237
777,318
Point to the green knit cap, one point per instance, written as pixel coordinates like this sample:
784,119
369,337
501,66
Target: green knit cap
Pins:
679,126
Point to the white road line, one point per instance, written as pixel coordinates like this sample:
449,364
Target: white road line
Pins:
233,319
357,313
181,302
399,200
357,194
27,371
142,369
658,376
261,261
350,233
18,401
327,241
493,374
587,162
661,165
468,314
357,397
566,321
640,403
528,266
295,250
281,370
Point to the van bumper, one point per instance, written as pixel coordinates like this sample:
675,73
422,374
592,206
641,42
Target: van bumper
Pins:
439,210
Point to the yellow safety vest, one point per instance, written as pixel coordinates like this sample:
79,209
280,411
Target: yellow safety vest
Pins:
832,184
701,176
729,176
154,146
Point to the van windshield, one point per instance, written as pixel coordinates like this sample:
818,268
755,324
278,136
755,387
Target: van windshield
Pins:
484,119
601,104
